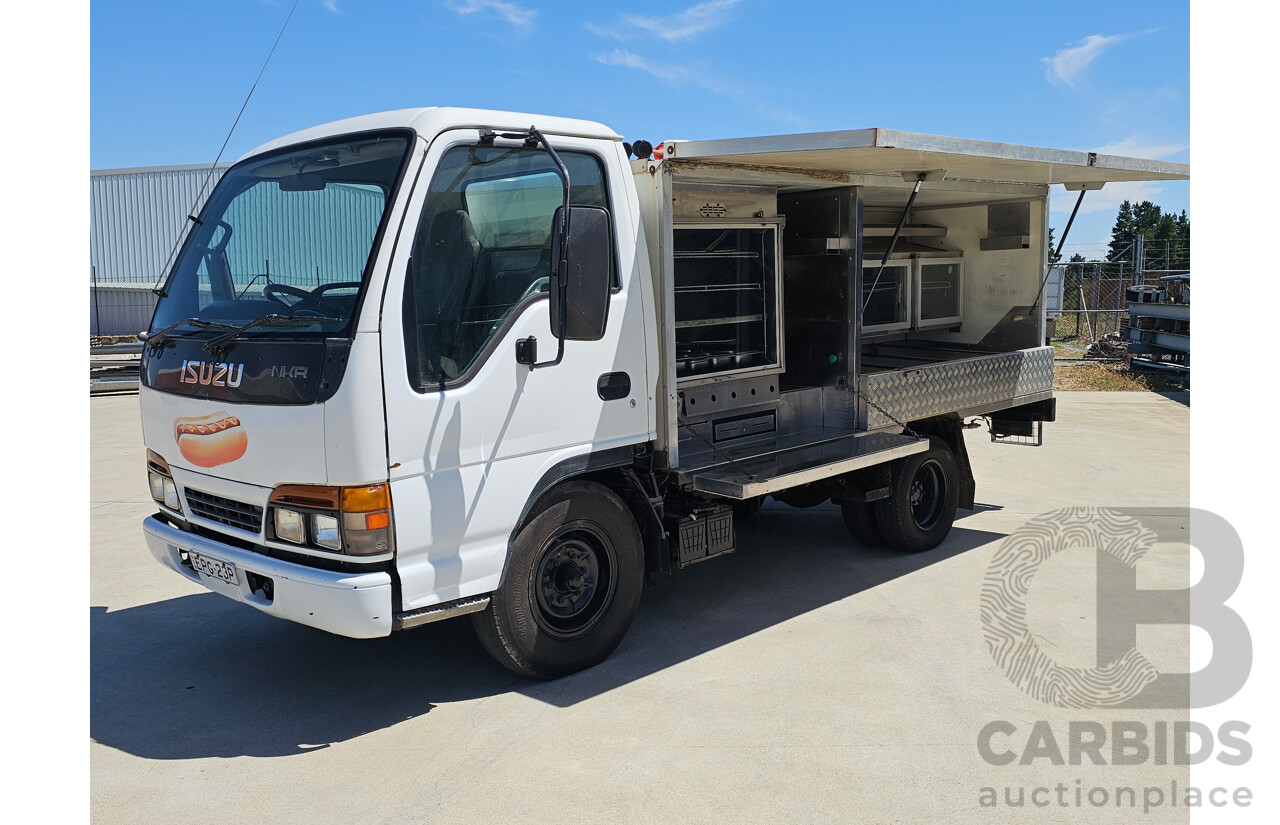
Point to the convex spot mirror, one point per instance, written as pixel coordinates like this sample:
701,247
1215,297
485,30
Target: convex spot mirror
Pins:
589,252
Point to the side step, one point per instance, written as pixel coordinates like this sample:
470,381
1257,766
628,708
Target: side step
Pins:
439,612
750,477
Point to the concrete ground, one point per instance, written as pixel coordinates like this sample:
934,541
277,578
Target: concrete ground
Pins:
802,678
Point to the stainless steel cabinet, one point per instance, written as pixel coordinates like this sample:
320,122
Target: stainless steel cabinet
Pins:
727,301
887,300
939,292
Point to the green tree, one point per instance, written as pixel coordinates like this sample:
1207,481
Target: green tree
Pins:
1161,230
1054,255
1122,232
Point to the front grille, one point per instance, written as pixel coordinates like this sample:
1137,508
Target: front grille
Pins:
225,510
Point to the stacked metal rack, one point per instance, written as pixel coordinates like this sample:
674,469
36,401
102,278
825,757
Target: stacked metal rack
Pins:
1159,328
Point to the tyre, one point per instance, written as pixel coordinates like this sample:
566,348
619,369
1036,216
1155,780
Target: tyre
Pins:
571,587
924,491
860,518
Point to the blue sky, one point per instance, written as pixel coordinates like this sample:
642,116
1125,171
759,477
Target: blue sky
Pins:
167,79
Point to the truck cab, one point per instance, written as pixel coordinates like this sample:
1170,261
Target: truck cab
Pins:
438,362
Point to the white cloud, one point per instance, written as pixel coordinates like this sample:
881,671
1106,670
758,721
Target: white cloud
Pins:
681,26
670,73
1106,199
1067,65
1136,147
603,31
676,75
331,5
515,15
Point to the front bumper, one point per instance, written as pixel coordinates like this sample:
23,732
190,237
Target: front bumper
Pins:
355,605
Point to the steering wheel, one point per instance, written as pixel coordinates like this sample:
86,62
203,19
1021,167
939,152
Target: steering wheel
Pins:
304,297
323,288
535,288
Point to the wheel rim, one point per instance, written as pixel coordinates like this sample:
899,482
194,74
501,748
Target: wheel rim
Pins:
573,582
927,494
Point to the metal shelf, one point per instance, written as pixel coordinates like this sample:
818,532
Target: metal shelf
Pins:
908,231
721,288
752,256
715,322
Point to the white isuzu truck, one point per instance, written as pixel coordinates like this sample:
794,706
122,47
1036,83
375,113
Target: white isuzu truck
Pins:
436,362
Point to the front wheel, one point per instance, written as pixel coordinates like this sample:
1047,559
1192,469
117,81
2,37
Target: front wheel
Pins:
924,491
572,585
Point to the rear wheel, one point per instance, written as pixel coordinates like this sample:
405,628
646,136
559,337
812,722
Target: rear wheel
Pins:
924,491
860,518
572,585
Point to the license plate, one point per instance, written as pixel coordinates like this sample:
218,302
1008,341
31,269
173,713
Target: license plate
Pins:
214,568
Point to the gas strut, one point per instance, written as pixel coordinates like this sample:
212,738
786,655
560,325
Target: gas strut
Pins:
893,242
1057,253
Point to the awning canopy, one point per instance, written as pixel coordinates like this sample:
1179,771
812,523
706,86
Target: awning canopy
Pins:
885,151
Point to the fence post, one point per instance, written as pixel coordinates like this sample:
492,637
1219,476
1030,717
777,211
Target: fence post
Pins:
97,316
1080,304
1140,259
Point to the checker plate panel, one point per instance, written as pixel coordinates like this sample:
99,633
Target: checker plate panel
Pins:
954,386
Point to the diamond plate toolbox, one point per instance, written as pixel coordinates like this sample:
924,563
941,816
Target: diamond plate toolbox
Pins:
954,386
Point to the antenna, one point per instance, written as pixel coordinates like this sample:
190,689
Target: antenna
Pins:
164,271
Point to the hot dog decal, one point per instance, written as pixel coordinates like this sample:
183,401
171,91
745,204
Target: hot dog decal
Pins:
210,440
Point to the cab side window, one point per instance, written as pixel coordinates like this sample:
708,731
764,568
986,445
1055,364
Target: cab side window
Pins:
483,248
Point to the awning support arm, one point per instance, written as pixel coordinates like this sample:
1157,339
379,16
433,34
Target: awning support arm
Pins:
893,242
1057,253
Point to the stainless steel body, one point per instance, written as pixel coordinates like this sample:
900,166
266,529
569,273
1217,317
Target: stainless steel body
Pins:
965,330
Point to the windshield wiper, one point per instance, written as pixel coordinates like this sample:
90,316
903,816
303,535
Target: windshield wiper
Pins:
153,340
215,344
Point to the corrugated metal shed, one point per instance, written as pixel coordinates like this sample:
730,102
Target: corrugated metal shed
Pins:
135,217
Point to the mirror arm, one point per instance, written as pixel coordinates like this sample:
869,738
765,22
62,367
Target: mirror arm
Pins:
562,266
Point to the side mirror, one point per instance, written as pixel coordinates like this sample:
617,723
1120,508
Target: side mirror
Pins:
589,253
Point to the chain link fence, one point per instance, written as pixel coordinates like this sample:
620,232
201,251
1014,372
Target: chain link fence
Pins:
1095,295
118,309
1094,303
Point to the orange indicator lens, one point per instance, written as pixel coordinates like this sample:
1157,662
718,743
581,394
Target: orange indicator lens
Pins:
364,499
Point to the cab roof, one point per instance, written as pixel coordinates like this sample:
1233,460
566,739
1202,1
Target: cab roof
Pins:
430,121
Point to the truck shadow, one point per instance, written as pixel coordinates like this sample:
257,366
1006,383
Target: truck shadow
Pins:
200,676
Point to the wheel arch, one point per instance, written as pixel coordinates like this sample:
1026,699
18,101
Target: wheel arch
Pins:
612,468
950,429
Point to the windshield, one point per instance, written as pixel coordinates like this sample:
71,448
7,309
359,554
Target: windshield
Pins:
289,235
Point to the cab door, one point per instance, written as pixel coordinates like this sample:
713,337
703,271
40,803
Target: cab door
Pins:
470,432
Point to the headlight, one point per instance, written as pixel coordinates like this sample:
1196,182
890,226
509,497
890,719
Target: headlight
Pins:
157,486
324,531
351,520
171,495
160,481
289,525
